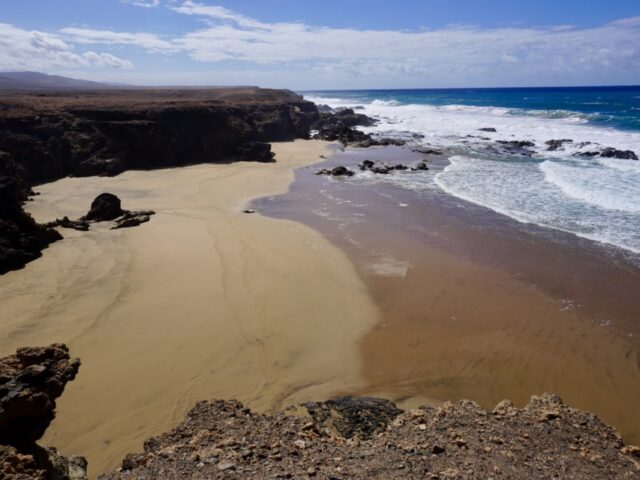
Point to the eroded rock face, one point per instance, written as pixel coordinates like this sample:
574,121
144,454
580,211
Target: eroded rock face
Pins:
366,438
255,152
30,383
21,238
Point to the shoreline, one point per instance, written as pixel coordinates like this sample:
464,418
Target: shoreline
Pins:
189,306
475,305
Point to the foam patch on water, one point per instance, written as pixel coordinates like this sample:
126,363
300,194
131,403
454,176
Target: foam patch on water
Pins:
389,267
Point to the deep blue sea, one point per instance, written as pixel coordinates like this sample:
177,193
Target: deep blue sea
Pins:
567,189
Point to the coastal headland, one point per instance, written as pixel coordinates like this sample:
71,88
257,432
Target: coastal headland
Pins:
209,299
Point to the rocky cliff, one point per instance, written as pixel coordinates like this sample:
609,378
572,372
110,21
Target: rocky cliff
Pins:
44,137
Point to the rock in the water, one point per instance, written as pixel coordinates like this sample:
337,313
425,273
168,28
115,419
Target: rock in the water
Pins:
420,166
553,145
256,152
104,207
339,171
517,143
487,129
611,153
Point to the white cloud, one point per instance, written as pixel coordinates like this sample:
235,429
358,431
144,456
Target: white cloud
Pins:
143,3
34,50
147,41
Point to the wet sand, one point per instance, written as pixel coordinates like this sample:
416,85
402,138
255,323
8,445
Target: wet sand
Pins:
202,302
476,305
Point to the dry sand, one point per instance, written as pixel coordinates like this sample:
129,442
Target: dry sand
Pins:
202,302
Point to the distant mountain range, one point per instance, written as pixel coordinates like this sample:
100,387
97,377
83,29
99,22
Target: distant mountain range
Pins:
41,81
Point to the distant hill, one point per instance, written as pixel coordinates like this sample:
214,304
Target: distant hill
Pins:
41,81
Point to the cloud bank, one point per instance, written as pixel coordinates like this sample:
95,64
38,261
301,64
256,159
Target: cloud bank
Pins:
34,50
228,41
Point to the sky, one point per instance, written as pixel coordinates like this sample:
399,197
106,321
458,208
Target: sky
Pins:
331,44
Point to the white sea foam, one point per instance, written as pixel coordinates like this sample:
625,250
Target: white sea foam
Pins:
593,197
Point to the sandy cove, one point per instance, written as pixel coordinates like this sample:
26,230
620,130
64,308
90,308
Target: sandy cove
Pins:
202,302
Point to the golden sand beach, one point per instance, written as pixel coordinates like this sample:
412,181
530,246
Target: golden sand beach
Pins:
202,302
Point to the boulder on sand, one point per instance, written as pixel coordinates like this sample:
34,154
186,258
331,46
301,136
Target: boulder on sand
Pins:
104,207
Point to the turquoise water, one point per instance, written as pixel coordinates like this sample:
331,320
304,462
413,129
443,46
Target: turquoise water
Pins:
591,196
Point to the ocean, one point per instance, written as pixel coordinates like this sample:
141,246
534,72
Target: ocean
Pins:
590,196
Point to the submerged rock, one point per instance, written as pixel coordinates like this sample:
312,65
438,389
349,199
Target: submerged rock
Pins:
553,145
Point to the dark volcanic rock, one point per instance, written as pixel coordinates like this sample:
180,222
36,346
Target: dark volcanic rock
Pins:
345,117
487,129
21,238
132,219
361,417
545,439
553,145
343,134
30,382
428,151
517,143
339,171
104,207
420,166
66,222
255,152
611,153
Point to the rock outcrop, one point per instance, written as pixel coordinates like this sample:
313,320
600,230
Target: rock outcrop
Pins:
106,207
45,137
30,382
365,438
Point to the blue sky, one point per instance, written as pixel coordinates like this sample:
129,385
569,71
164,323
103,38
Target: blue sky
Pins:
329,44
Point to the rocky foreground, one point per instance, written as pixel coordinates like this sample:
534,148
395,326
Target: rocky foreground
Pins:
344,438
366,438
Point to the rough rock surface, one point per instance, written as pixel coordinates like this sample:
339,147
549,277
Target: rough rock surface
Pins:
353,438
255,152
44,137
105,207
30,382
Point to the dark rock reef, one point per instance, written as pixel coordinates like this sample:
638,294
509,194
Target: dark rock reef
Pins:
367,438
44,137
610,152
30,382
